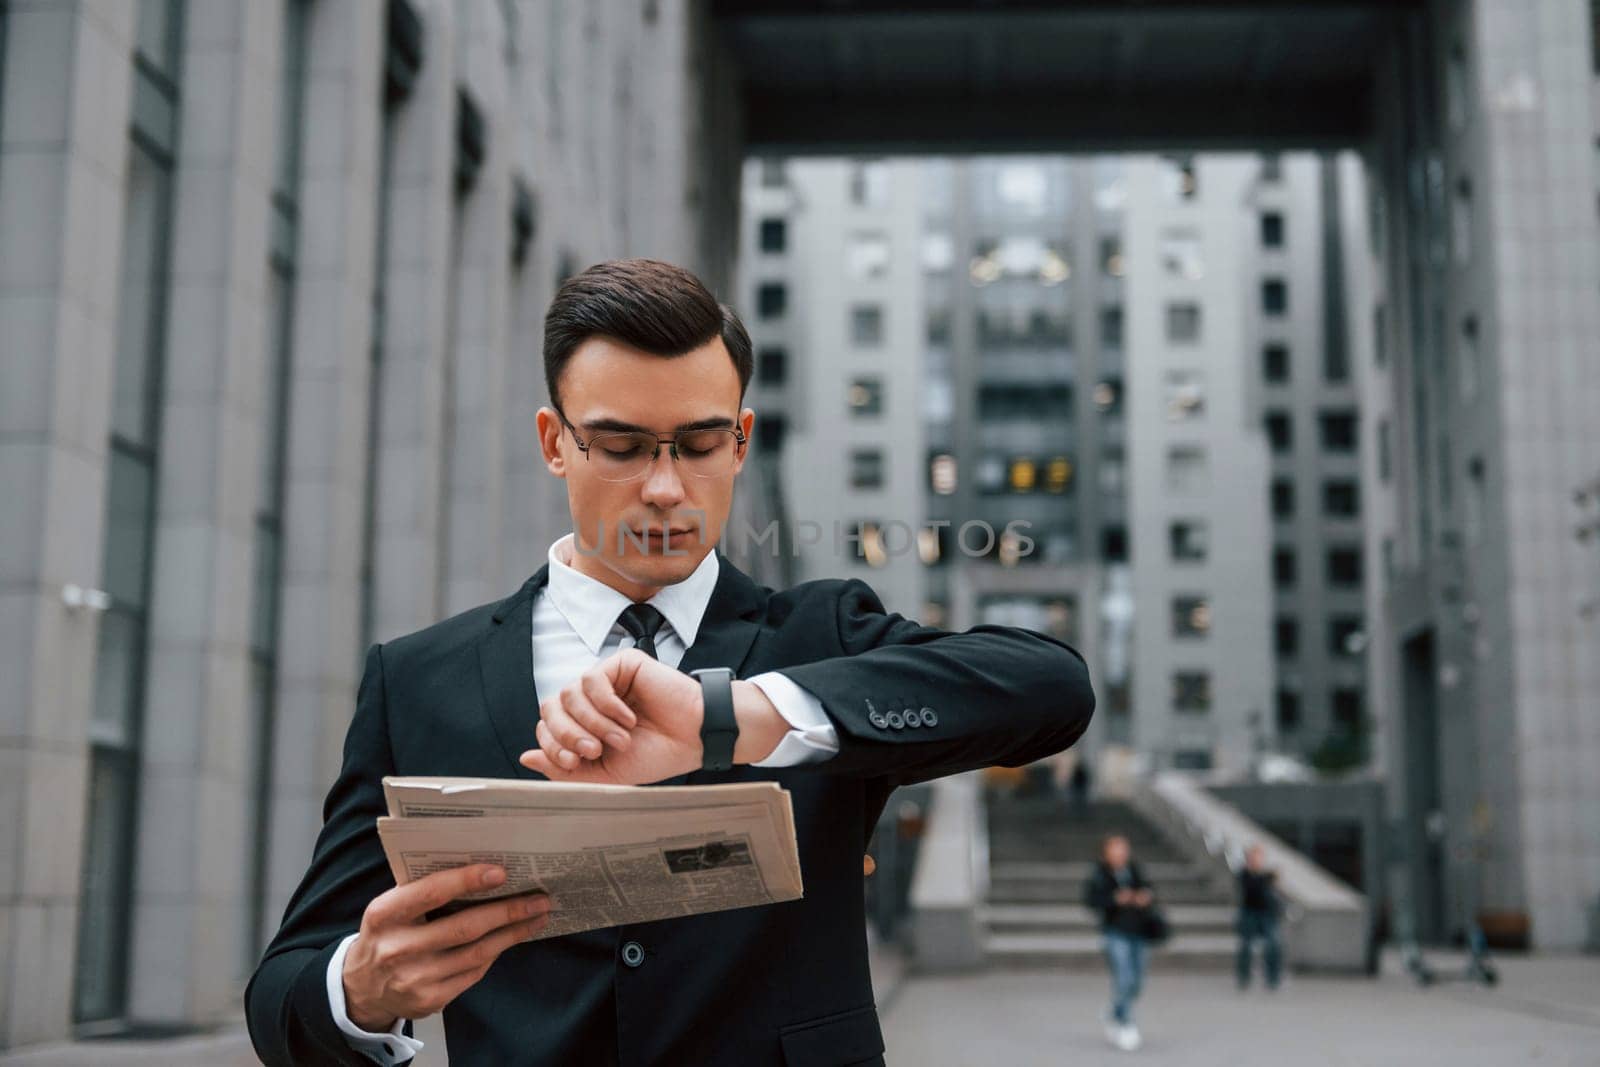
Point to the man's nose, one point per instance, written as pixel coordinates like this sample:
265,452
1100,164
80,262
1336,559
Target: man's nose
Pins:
663,486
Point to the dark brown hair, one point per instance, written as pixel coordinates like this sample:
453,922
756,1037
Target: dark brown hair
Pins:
646,304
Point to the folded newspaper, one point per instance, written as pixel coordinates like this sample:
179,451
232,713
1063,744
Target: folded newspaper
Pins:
606,854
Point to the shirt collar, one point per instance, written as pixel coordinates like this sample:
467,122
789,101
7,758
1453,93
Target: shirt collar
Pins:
591,607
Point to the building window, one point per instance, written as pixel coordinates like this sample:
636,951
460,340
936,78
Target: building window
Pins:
867,256
772,366
1346,710
938,332
1113,470
1282,498
1185,395
1285,572
772,300
774,235
1192,759
1058,472
1470,360
1385,468
1271,167
1380,337
1341,498
1477,500
1187,540
1017,400
1344,636
866,396
1181,255
1280,432
1286,637
869,183
1288,711
772,173
1111,261
1344,566
1461,221
1275,363
1114,544
866,536
1179,178
1191,692
1108,395
1272,230
866,325
1338,431
866,468
1111,326
1187,469
1191,616
1275,297
1183,323
1022,474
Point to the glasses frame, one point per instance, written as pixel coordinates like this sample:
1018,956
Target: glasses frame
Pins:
670,440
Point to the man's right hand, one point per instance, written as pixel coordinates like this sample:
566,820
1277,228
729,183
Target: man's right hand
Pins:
401,966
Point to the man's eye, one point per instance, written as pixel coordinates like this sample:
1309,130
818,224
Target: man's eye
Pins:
622,451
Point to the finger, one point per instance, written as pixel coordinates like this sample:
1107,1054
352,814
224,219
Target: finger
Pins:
568,734
536,759
470,924
586,712
485,950
597,687
558,755
410,902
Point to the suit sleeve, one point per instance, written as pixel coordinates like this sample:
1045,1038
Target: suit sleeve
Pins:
998,694
286,1003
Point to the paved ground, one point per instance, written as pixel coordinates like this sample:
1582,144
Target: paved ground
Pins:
1546,1012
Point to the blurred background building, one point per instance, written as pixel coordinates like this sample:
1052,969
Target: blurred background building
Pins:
1282,336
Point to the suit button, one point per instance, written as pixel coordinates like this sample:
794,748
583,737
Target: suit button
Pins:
633,953
896,720
929,718
913,718
877,719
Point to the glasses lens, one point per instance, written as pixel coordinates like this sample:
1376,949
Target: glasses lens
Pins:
621,457
706,453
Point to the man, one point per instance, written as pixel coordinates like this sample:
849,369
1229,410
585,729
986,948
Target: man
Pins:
1258,919
581,675
1120,895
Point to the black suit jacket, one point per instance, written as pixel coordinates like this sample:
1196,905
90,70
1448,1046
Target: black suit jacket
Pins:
779,984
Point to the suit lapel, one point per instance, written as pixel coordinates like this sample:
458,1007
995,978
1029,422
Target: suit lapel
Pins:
505,659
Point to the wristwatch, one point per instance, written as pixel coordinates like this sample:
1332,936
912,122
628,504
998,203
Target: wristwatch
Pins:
719,730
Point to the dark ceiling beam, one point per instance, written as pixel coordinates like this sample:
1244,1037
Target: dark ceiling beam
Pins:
847,9
1328,117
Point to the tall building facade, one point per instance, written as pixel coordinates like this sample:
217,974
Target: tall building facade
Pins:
272,278
1298,307
1481,376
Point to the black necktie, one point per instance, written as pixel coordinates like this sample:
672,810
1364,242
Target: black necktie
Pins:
642,621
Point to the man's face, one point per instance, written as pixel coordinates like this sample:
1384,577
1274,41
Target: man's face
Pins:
1117,852
607,386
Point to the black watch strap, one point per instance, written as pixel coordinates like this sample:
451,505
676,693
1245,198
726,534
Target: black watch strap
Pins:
719,730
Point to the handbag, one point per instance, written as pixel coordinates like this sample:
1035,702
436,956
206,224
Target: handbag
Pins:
1153,925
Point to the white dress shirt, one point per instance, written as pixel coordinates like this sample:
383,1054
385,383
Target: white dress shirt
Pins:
574,627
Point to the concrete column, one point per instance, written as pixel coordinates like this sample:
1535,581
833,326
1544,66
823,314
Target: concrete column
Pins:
64,150
411,417
190,944
319,628
475,491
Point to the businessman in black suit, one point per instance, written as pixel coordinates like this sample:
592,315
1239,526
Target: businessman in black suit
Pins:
583,675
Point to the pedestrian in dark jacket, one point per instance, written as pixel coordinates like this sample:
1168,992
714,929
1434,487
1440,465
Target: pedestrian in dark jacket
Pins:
1119,894
1259,909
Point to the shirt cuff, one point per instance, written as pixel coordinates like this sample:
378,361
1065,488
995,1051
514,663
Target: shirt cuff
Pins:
812,737
388,1049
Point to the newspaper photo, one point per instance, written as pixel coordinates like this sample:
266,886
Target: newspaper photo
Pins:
606,855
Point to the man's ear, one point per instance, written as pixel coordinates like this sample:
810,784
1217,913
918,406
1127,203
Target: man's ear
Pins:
747,419
550,428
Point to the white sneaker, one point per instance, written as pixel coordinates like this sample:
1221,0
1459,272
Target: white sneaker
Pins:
1113,1029
1128,1038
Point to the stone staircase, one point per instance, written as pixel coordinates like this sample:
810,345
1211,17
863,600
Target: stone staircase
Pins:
1040,854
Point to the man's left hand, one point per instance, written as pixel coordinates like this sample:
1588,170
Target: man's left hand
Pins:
631,719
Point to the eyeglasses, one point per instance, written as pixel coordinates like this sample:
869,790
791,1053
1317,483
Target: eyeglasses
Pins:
627,455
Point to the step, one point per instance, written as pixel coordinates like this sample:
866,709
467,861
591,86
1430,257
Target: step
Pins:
1064,918
1183,952
1078,871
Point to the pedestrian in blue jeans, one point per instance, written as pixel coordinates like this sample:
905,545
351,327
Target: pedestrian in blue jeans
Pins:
1119,893
1258,919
